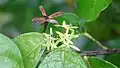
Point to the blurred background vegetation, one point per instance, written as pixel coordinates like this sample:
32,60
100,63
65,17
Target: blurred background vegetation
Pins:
16,18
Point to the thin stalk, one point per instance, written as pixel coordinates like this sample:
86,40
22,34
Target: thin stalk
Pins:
93,39
99,52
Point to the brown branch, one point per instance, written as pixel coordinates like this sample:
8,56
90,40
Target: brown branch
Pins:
99,52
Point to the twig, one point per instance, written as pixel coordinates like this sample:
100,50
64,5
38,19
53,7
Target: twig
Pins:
99,52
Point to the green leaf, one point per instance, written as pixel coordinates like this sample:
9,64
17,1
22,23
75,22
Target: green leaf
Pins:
99,63
114,43
71,18
90,9
63,58
31,47
113,59
96,28
10,56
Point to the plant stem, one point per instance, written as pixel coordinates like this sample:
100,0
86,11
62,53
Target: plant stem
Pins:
93,39
99,52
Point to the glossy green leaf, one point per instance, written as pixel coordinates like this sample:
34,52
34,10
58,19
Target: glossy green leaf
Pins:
90,9
10,56
63,58
99,63
31,47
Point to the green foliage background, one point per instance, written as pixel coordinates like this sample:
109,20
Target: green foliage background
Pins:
16,16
